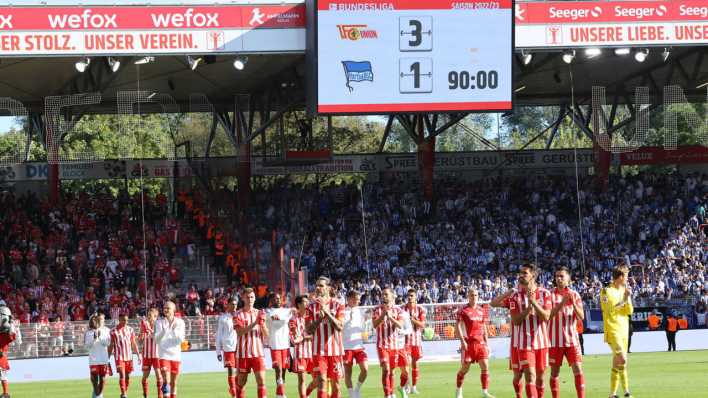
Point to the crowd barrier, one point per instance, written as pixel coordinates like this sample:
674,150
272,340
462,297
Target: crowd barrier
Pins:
75,367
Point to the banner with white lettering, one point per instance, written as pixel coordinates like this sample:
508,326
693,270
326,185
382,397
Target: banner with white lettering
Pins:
356,163
610,23
82,30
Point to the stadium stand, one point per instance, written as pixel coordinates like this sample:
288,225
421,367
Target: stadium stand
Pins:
62,263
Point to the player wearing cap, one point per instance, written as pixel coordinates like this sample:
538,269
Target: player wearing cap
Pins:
122,348
353,344
150,358
302,343
414,341
249,324
169,335
277,319
565,343
226,343
96,340
472,323
387,319
325,321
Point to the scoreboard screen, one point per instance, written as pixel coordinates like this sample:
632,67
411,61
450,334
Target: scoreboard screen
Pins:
373,56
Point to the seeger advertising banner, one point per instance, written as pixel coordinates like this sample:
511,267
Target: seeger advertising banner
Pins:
610,23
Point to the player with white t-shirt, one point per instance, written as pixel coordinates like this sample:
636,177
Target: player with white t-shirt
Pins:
169,335
354,344
226,344
97,339
277,320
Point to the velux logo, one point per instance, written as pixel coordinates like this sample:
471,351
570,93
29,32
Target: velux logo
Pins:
187,19
85,20
5,21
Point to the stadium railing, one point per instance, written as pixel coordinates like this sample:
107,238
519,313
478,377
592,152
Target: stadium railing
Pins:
41,340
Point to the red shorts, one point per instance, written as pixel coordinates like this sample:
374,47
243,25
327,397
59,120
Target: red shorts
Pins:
247,365
126,366
230,359
99,370
329,365
351,356
280,358
476,351
572,354
415,352
402,359
303,365
149,363
395,358
169,366
522,359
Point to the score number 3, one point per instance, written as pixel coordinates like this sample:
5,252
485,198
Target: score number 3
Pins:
416,33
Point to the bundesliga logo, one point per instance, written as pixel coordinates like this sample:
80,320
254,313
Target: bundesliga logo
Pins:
356,32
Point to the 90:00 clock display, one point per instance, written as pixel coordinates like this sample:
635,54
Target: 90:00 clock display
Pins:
479,81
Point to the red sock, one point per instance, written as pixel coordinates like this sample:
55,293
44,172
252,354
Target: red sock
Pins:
484,379
5,387
555,387
231,380
159,388
390,381
335,394
517,388
460,379
530,390
415,376
310,388
145,387
404,379
580,385
173,394
242,392
262,392
279,389
322,393
540,388
123,387
387,386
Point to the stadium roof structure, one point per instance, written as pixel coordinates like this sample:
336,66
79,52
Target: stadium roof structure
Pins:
545,80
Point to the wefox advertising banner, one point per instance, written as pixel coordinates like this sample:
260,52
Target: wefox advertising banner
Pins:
547,24
88,30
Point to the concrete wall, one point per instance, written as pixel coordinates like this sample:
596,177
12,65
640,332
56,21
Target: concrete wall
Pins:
68,368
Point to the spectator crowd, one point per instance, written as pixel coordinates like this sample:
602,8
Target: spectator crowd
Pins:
61,262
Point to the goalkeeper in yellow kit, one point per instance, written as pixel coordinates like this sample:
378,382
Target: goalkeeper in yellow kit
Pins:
616,303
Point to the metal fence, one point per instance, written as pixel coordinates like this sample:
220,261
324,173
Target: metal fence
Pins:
55,339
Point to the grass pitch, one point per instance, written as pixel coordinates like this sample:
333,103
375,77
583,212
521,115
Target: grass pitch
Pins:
652,375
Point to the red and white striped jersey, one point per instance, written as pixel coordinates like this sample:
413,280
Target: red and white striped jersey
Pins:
416,338
387,332
563,331
249,345
303,349
473,321
147,336
327,341
532,334
122,339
